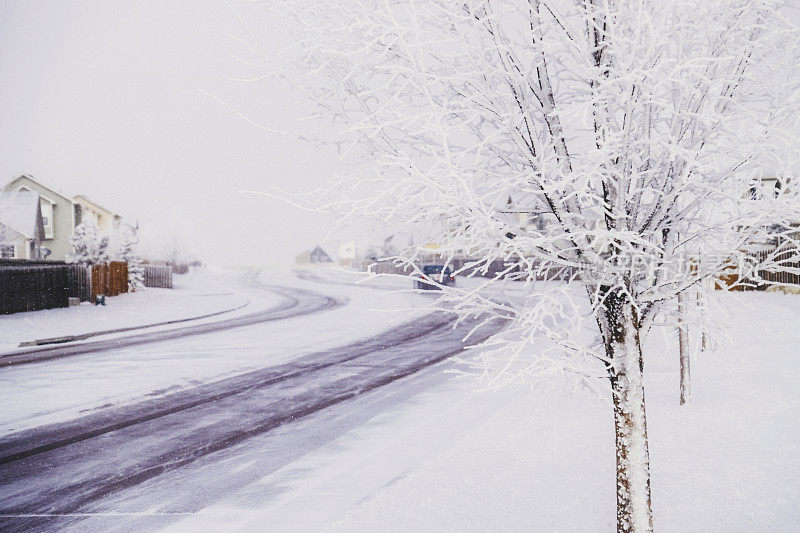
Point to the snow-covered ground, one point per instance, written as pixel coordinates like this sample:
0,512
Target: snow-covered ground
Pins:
193,295
454,459
432,453
34,395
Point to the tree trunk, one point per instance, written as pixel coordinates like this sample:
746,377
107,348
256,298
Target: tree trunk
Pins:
702,306
626,372
683,348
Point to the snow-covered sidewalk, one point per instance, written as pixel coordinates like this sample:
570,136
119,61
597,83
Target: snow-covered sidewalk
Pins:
193,295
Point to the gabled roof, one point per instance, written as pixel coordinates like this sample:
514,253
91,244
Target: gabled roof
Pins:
50,190
20,212
318,255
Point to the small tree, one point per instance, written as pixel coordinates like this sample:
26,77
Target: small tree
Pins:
89,245
612,142
128,252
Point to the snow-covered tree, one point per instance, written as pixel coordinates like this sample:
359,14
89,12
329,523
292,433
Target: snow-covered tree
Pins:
129,252
610,141
89,245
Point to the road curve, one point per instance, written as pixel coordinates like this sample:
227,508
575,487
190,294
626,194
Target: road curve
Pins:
56,470
295,302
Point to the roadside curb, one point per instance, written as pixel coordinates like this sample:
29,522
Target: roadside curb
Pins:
83,336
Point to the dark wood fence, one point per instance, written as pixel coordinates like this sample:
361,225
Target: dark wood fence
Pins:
32,285
79,280
158,276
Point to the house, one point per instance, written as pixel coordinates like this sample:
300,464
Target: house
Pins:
88,211
347,253
58,216
767,187
21,225
318,255
61,214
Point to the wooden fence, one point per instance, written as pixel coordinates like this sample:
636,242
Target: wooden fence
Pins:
158,276
786,260
99,281
32,285
110,279
79,281
117,278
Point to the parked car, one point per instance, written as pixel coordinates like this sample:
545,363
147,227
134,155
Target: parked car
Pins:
435,273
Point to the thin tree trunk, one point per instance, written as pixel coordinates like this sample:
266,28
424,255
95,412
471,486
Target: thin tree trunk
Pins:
701,305
683,348
626,372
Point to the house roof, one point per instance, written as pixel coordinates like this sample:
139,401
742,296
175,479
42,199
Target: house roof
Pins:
321,255
82,198
51,190
20,211
54,191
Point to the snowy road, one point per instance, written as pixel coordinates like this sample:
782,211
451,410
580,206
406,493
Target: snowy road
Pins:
52,474
295,302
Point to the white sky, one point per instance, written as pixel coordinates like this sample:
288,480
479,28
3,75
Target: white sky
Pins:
106,98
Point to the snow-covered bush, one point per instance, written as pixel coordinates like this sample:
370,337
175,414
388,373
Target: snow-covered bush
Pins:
128,252
89,245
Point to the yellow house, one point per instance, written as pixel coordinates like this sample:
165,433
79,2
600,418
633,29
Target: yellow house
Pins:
57,216
60,214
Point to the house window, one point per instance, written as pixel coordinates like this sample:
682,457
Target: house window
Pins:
47,218
7,251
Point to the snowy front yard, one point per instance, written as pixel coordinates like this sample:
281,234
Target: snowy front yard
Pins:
193,295
452,459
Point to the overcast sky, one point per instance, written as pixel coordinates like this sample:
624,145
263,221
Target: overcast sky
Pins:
106,98
110,98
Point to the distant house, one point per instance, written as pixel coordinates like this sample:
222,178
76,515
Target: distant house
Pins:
60,214
21,225
318,255
347,253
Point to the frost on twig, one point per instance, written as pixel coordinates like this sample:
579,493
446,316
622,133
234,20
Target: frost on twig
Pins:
608,155
616,144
